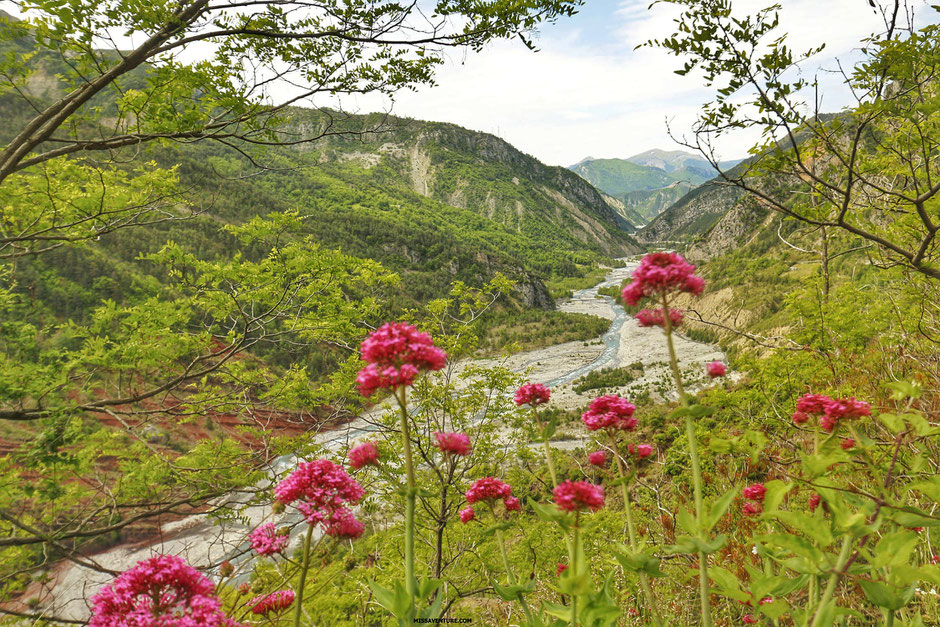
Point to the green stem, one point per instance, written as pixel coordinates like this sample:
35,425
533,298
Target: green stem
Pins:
833,580
299,597
410,582
573,560
631,532
510,578
890,621
696,465
548,450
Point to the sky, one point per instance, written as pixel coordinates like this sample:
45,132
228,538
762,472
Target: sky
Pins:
587,92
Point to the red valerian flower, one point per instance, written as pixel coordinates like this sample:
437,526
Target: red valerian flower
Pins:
644,450
847,443
847,408
512,504
655,317
265,540
579,495
755,492
716,369
749,619
660,273
343,524
800,418
560,569
752,509
610,412
467,514
323,488
488,489
226,569
828,423
532,394
453,443
162,591
276,602
935,559
598,458
366,454
395,353
812,403
814,501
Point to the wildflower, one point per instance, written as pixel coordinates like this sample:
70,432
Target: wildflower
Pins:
935,559
755,492
512,504
661,273
366,454
343,524
226,569
716,369
453,443
532,394
655,317
488,489
752,509
812,403
800,418
828,423
847,443
323,488
598,458
610,412
749,619
847,408
644,450
395,354
244,588
265,540
814,501
275,602
561,568
579,495
467,514
766,600
155,589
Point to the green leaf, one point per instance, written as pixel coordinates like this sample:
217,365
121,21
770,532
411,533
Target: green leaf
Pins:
886,596
687,521
690,545
695,411
396,601
719,507
895,548
513,593
776,490
813,526
639,561
904,390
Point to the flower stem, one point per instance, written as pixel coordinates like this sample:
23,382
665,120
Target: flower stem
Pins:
410,582
631,532
696,465
574,550
548,450
299,598
510,578
833,580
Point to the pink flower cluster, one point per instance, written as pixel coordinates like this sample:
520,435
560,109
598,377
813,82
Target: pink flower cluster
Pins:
323,488
343,524
716,369
830,410
265,540
755,493
661,273
610,412
467,514
488,489
532,394
598,458
395,353
163,591
814,501
453,443
655,317
366,454
579,495
275,602
642,451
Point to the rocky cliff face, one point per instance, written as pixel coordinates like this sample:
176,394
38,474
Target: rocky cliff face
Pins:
693,214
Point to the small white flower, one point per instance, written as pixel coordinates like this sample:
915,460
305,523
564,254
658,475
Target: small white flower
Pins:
754,549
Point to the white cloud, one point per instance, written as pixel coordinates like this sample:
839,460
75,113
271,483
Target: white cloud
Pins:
588,92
